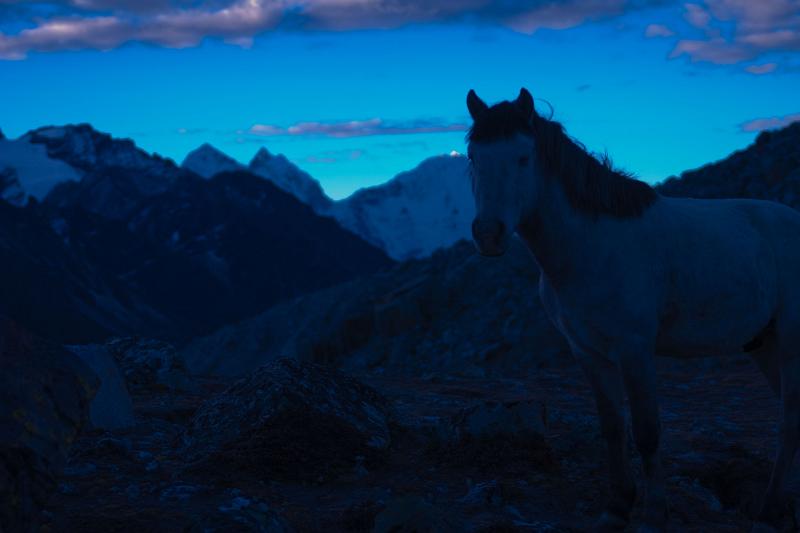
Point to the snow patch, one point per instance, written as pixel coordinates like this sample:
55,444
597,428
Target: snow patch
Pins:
37,172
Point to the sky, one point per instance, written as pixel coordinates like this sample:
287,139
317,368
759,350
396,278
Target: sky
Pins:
356,91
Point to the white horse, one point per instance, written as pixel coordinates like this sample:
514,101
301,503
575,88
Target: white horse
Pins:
627,274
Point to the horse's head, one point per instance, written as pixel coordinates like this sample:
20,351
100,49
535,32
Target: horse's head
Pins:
502,168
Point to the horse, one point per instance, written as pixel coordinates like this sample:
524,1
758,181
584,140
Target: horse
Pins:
628,274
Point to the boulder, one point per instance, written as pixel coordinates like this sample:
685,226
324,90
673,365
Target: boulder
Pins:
291,421
149,363
112,407
45,393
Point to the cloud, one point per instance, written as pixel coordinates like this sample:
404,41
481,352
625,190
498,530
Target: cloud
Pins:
765,68
769,123
356,128
697,16
106,24
172,27
657,30
757,28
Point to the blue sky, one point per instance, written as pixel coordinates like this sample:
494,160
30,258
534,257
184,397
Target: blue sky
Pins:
357,92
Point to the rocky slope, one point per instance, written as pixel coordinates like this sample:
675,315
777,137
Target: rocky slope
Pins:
768,169
455,313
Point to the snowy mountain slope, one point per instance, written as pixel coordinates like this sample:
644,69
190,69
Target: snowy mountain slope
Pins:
36,172
287,176
415,213
207,161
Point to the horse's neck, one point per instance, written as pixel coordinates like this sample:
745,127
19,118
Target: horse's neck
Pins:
553,231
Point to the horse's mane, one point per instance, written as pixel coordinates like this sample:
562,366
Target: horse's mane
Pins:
591,185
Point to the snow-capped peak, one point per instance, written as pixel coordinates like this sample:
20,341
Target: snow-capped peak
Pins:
414,213
208,161
288,177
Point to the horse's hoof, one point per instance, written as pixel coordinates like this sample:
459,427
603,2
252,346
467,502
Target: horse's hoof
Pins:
763,527
609,523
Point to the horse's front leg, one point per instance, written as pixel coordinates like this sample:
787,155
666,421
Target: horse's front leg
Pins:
637,362
606,382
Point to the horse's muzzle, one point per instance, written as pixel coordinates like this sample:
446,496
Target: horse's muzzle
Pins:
490,237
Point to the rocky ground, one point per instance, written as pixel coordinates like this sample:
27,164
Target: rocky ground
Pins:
299,447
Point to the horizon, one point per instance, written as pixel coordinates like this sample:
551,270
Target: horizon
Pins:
355,94
245,162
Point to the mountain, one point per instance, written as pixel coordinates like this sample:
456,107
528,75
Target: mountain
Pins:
415,213
141,246
208,161
767,169
456,312
114,174
285,175
411,216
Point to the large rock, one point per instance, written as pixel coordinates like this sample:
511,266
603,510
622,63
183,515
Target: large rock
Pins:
45,393
112,407
149,363
292,421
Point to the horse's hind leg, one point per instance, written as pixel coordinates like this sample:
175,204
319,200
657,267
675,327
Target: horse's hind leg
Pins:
786,356
638,369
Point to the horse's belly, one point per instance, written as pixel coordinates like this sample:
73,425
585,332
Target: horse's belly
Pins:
716,327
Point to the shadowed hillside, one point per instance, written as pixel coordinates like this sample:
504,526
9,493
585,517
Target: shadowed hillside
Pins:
137,245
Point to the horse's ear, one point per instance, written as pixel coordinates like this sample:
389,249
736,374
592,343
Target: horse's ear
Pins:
476,106
525,102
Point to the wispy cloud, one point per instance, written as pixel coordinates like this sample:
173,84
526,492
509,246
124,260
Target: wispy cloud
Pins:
356,128
106,24
769,123
759,70
658,30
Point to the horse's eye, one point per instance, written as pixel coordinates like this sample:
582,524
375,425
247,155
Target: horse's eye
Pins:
524,160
